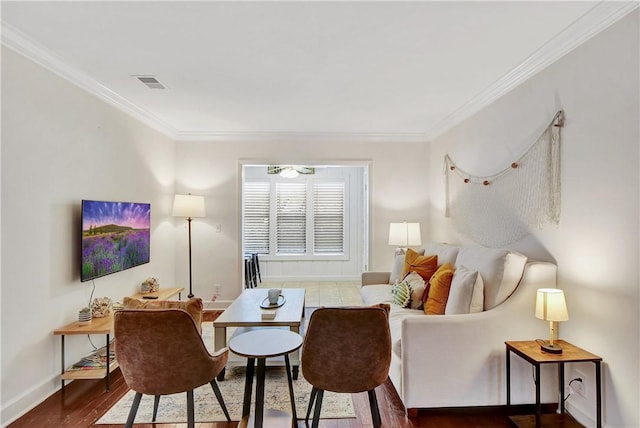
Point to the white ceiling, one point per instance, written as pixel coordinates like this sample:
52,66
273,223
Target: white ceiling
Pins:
394,70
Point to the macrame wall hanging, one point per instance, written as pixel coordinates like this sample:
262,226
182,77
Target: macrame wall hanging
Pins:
502,208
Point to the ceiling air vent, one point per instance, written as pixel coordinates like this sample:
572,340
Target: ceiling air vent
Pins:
151,82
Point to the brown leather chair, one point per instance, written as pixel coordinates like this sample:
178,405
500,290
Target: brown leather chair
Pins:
346,350
161,352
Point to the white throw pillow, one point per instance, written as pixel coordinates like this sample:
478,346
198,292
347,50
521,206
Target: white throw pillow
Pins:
501,271
417,285
466,294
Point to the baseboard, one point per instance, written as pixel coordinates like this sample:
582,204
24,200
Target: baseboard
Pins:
22,404
579,415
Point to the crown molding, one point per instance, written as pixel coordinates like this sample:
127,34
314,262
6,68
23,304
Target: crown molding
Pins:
591,23
600,17
18,42
319,136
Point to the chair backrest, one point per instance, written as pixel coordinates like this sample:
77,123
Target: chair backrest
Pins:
161,352
347,350
193,306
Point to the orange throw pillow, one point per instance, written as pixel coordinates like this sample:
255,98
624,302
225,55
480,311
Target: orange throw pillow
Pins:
424,266
440,284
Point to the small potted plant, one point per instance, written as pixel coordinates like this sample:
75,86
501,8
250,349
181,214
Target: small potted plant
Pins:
84,316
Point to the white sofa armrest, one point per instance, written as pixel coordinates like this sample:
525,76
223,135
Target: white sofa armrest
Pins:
370,278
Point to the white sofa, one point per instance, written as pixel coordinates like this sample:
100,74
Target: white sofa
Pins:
459,360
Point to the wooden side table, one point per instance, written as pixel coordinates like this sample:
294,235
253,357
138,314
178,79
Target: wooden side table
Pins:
104,326
530,351
97,326
262,344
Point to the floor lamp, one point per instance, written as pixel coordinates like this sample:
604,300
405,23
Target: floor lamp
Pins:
189,206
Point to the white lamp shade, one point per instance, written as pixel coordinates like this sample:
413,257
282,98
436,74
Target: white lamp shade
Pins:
188,206
551,305
404,234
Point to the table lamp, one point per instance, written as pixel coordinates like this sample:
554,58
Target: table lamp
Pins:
189,206
404,234
551,306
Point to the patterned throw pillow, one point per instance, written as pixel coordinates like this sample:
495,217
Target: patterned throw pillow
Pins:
417,285
401,294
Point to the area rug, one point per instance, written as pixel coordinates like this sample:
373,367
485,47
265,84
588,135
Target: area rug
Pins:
173,408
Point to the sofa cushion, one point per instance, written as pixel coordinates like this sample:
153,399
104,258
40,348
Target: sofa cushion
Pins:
193,307
501,271
467,292
424,266
446,253
438,291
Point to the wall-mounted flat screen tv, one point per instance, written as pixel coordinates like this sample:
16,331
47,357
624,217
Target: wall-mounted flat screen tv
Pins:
115,236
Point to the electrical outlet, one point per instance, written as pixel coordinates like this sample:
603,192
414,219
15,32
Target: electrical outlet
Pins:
578,386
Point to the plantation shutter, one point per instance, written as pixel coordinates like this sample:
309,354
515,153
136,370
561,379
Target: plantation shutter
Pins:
256,217
328,218
291,218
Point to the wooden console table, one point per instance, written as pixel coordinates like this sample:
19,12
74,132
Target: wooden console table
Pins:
104,326
530,351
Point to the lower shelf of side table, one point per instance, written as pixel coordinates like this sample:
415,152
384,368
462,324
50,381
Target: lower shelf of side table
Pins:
99,373
272,419
547,420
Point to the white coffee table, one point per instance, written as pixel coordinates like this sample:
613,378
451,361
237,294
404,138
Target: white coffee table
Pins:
245,313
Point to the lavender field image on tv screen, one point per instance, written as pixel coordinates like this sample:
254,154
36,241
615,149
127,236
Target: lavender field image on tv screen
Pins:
115,236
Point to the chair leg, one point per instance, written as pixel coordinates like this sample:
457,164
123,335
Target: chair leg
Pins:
316,413
216,390
375,411
156,401
190,410
312,398
134,409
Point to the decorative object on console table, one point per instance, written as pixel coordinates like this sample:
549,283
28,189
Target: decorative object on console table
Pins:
551,306
189,206
404,234
101,307
149,285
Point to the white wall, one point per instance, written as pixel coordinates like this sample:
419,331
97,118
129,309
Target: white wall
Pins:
61,145
596,243
399,191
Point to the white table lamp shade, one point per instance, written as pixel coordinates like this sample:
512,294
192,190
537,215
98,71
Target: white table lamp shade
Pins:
551,305
404,234
188,206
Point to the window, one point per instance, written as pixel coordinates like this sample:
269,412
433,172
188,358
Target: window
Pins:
256,203
302,218
291,218
328,218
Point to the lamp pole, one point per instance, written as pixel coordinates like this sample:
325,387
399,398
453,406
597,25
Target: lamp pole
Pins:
190,295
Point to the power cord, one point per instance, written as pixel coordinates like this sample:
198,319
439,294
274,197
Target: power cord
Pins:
89,306
577,379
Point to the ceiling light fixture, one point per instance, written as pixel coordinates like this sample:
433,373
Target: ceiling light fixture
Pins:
289,172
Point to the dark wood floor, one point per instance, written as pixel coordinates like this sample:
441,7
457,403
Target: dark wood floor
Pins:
83,402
